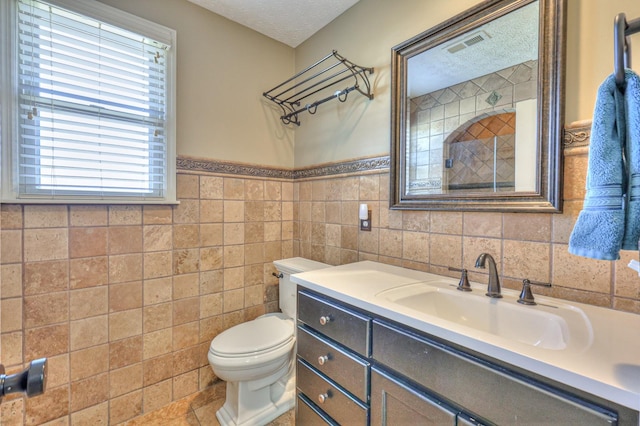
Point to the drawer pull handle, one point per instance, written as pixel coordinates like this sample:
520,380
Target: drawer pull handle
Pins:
323,397
324,320
322,359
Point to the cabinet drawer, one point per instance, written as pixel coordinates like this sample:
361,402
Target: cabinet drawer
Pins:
340,324
487,392
339,405
349,370
308,414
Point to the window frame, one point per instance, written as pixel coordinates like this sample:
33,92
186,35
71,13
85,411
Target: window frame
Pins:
8,102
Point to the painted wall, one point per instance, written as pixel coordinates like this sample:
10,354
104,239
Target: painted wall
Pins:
590,45
222,115
366,33
223,68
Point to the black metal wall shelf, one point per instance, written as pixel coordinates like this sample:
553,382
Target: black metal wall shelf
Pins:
314,79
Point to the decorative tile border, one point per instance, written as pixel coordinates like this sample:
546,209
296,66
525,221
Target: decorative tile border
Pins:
575,135
366,164
212,166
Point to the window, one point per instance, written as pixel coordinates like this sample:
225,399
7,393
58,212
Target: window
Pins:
87,104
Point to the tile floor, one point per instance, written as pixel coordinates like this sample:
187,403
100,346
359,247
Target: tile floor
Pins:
197,411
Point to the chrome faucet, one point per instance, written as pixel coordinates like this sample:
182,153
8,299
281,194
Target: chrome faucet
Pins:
493,289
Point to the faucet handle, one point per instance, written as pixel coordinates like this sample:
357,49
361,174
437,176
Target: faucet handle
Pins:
463,285
526,296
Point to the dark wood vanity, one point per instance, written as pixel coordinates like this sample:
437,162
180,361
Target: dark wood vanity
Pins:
355,367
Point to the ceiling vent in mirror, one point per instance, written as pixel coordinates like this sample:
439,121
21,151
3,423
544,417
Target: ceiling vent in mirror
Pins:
470,40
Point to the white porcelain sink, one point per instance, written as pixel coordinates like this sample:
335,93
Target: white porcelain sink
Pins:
548,327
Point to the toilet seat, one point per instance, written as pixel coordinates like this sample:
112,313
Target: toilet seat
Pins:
267,333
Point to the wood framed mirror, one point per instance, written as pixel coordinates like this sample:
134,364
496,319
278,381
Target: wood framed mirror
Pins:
477,111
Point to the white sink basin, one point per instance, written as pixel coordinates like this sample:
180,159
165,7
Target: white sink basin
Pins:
548,327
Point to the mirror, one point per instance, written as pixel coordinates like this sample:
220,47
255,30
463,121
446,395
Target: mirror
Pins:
477,111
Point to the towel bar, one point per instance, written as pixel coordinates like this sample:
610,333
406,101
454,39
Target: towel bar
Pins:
622,29
311,81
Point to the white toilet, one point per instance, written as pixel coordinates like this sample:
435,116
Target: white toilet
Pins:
256,358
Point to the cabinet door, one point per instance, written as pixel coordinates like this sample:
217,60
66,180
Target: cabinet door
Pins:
478,387
393,403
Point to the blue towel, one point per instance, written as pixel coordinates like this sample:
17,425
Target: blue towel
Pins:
610,218
599,229
632,152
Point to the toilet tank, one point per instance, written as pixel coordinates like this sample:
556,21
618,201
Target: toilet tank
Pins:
287,289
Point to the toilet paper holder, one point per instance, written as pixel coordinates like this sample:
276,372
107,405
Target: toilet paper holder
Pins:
31,381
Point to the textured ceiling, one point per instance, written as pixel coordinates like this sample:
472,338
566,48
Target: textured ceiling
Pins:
509,40
288,21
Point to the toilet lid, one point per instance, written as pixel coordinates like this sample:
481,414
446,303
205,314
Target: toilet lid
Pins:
258,335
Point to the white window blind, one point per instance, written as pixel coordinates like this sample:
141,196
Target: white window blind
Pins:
93,107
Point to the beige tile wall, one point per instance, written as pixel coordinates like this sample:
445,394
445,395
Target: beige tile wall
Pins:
526,245
124,300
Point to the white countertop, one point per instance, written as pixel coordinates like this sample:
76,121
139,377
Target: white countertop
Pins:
608,366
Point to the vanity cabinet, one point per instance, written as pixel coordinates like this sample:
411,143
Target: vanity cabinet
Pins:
356,368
